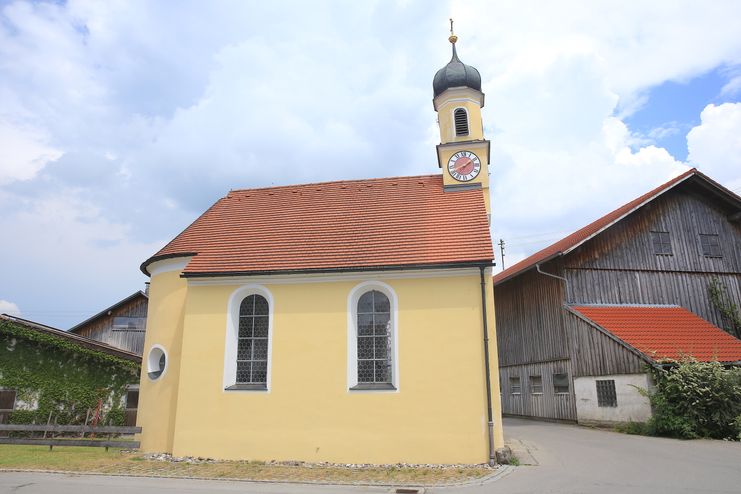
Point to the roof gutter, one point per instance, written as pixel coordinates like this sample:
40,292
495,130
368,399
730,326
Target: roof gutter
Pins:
484,263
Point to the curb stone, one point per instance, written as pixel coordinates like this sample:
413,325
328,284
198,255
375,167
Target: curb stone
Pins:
501,471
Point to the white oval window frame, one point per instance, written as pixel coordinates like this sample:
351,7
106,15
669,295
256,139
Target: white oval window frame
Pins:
150,361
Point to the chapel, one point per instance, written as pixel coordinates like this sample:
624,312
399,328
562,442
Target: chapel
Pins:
348,321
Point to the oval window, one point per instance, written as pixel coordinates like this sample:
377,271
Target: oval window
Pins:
156,362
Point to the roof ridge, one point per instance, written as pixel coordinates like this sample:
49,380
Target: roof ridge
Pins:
331,182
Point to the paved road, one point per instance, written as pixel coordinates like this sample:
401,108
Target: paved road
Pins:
570,460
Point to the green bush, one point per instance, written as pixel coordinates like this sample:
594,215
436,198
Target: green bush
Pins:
697,399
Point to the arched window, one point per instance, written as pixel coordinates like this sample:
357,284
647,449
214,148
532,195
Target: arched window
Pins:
461,122
374,338
252,341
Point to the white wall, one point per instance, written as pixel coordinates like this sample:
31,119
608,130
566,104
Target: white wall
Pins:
631,405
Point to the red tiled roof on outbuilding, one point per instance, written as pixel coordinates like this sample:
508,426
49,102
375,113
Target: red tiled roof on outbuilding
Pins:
335,226
664,332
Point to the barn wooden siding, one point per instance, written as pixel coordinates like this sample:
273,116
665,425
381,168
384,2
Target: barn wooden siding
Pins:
620,267
594,353
535,333
529,319
101,329
549,405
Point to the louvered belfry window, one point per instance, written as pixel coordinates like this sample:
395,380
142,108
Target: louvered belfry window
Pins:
252,345
461,122
374,338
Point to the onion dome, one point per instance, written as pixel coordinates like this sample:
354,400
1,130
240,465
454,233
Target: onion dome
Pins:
456,74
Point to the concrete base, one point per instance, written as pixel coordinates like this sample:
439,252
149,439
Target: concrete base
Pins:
504,455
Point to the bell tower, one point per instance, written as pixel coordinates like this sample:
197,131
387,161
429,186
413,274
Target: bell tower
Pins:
463,153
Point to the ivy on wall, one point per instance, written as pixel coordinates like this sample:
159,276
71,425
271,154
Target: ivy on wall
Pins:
61,377
724,303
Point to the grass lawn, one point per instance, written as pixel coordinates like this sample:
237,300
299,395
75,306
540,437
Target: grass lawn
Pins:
97,460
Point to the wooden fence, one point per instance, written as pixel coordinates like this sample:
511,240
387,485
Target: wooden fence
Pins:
109,431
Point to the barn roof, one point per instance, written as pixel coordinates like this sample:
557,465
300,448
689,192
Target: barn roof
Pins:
663,333
571,242
75,338
336,226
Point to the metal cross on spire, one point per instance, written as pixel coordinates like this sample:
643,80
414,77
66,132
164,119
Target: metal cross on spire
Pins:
452,38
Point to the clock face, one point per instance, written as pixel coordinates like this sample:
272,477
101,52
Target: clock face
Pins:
464,166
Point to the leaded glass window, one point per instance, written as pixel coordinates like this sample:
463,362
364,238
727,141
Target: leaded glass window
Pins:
252,342
374,338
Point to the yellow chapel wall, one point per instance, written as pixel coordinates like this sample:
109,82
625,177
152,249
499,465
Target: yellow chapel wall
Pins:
158,398
438,414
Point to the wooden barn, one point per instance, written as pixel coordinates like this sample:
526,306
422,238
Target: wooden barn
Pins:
121,325
579,322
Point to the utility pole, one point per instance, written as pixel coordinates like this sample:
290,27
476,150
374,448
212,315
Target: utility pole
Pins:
501,249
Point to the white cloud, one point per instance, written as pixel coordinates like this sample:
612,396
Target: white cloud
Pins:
23,153
715,145
9,308
130,117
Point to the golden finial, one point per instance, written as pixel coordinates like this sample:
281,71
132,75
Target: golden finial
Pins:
452,38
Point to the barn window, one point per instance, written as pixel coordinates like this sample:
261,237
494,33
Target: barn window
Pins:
662,244
126,323
606,395
514,385
460,116
536,385
252,341
710,244
561,383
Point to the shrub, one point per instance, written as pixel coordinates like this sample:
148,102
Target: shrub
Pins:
697,399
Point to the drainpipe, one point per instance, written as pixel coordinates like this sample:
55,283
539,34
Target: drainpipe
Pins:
492,453
565,281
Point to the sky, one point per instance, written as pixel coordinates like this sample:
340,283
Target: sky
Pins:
122,121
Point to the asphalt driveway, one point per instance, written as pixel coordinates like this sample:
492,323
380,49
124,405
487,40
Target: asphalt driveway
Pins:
567,459
573,459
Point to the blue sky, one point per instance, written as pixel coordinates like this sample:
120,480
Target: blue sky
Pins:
672,108
121,121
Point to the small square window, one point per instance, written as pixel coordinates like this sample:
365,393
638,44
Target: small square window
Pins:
514,385
560,383
536,385
710,244
606,395
662,243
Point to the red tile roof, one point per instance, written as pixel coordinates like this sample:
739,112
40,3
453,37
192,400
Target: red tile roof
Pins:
572,241
664,332
346,225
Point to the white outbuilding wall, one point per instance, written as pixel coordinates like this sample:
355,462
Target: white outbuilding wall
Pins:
632,406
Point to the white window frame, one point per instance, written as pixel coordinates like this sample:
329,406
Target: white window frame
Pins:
154,362
352,334
232,335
